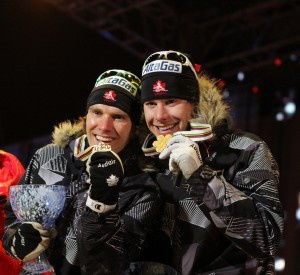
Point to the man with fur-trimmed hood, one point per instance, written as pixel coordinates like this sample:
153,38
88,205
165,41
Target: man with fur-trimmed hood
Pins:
220,186
111,204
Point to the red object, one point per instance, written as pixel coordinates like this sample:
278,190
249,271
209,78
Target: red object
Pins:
277,61
197,67
221,83
255,89
11,171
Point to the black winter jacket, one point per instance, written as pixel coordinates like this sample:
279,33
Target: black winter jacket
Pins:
88,243
227,217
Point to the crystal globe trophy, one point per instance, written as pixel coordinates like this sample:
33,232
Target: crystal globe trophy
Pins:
38,203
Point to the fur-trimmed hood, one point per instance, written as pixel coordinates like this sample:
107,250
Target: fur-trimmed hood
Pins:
212,108
66,131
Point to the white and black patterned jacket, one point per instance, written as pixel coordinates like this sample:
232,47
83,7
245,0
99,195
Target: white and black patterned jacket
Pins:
87,245
227,218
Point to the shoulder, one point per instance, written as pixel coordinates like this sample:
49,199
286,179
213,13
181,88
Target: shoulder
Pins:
50,150
243,140
51,154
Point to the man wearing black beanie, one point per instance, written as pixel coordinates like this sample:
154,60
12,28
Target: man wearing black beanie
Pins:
220,186
111,204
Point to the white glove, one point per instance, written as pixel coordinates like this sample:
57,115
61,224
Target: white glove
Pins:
184,155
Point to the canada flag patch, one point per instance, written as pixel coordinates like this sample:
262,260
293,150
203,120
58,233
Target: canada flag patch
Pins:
160,88
110,96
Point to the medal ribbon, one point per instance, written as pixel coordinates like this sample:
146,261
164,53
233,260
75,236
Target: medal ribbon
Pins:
198,132
83,154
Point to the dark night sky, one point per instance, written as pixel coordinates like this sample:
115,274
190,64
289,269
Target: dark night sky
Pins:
49,64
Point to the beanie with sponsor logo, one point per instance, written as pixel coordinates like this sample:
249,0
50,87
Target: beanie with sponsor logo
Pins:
169,74
118,88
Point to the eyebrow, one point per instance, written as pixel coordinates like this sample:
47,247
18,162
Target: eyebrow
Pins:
118,112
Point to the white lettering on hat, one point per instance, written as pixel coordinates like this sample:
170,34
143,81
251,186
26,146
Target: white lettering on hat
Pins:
163,66
118,81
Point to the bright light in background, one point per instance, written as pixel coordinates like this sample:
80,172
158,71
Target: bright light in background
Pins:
293,57
240,76
298,214
279,116
298,209
226,93
290,108
279,264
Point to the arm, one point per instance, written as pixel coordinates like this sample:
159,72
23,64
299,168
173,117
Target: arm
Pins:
243,202
120,234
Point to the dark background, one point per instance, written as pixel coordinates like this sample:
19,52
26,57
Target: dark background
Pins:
52,51
49,65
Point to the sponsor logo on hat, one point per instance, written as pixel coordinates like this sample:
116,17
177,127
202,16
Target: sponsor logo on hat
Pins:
163,66
159,88
118,81
109,96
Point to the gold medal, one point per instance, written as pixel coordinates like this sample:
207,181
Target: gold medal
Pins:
161,142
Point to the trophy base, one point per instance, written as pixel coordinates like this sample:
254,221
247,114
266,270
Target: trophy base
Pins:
38,265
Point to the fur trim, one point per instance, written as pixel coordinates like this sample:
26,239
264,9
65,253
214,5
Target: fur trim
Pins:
212,107
66,131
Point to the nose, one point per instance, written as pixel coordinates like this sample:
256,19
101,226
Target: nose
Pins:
160,113
105,123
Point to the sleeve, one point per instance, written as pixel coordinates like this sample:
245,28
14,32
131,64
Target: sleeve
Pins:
243,201
122,234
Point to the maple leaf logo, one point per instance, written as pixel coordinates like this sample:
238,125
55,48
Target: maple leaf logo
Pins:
110,96
159,87
112,180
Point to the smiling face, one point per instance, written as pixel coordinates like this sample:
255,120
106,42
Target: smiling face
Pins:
167,116
109,125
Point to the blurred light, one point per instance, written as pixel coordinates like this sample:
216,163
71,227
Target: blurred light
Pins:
298,214
277,61
255,89
293,57
107,34
226,93
279,116
298,208
221,83
290,108
279,264
240,76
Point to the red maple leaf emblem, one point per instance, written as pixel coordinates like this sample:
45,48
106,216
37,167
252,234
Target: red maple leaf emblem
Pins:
159,86
110,96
